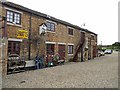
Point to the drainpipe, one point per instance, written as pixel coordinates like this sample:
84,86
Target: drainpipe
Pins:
29,37
90,48
82,54
5,30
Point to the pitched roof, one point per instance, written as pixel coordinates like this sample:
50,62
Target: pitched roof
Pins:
22,8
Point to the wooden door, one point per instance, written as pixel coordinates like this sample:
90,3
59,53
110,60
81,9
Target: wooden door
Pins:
61,51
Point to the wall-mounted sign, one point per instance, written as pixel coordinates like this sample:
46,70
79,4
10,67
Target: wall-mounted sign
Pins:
42,28
23,34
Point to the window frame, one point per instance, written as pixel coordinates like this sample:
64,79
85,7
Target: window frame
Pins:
69,32
14,47
17,20
70,50
50,49
50,28
9,16
92,37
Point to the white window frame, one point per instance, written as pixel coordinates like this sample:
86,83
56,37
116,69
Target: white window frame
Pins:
14,39
68,31
61,43
47,42
15,19
69,50
13,10
54,26
13,24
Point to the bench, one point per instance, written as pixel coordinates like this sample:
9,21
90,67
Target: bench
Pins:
15,64
61,61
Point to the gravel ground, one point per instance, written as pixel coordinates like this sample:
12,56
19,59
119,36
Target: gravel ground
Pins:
0,76
102,72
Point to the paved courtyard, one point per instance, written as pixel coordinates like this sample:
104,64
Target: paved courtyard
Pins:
102,72
0,75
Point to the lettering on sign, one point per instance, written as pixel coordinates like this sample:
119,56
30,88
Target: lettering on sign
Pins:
23,34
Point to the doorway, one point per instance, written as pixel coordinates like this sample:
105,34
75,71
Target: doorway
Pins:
49,52
61,51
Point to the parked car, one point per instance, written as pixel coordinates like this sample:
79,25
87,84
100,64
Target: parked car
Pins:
101,53
117,50
108,51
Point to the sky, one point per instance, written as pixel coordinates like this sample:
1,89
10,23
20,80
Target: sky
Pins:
99,16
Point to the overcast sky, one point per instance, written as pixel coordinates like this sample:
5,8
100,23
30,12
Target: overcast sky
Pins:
99,16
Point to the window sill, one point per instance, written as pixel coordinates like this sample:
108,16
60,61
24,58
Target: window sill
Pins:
70,54
14,24
92,40
51,31
71,35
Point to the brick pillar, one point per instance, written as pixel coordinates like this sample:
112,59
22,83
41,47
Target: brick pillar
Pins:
56,48
3,55
3,60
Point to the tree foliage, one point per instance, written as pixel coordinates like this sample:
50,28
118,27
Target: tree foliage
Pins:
116,45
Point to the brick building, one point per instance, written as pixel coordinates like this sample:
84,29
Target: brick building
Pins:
70,41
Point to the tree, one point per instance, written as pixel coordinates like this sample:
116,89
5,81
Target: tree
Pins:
38,41
116,45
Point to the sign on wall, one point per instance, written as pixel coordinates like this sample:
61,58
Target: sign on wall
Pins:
42,28
22,34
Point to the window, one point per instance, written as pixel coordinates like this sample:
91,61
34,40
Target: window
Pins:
13,17
50,49
14,47
50,26
17,18
70,31
9,16
70,49
92,37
